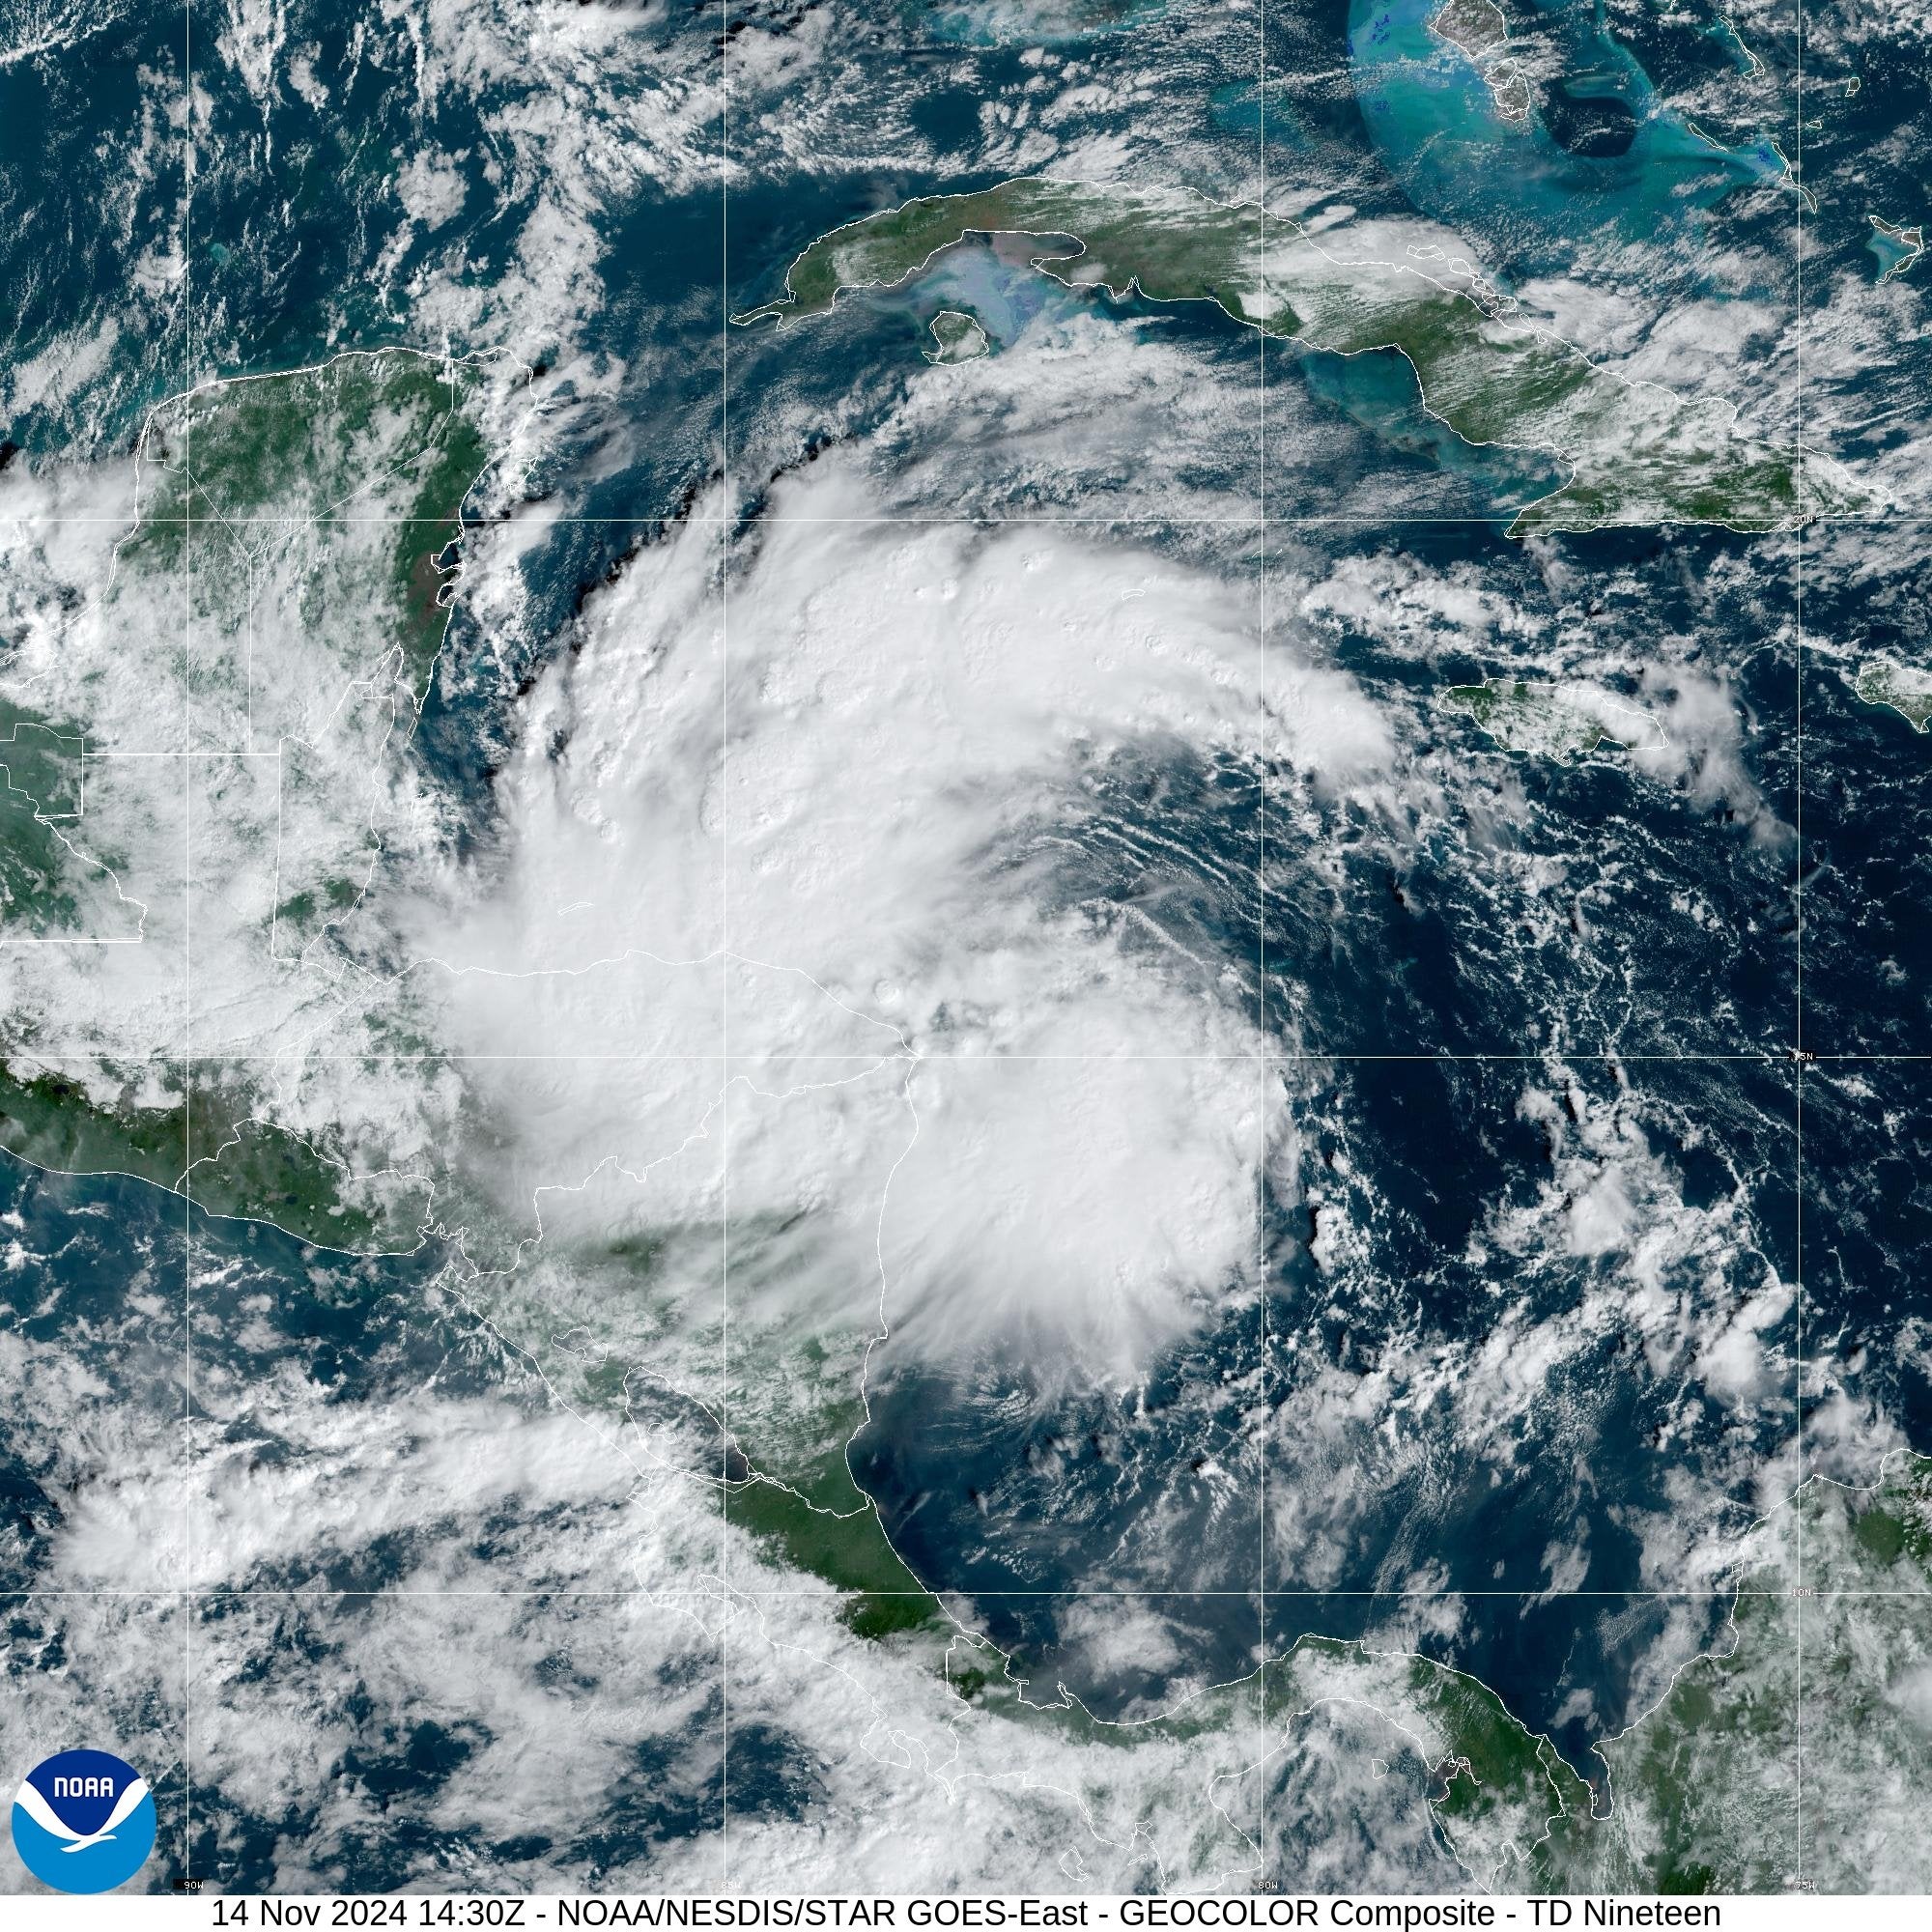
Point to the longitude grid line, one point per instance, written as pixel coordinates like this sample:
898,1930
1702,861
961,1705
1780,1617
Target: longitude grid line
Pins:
188,1598
1261,956
658,1593
1758,1059
1798,674
724,916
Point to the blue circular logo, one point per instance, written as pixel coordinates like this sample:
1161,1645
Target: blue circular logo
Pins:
83,1821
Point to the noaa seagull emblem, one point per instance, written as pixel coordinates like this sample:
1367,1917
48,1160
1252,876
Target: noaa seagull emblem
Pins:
83,1821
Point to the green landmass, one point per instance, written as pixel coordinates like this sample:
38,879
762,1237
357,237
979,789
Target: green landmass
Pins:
56,1123
304,913
1492,1787
1907,690
257,1172
959,337
1637,453
240,1166
50,884
308,517
848,1548
40,763
794,1397
390,434
1546,720
1697,1796
1708,1784
41,767
794,1410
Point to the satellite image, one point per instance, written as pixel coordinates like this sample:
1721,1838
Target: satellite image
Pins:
963,944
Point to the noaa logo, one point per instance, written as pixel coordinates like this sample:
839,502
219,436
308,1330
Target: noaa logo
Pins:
83,1821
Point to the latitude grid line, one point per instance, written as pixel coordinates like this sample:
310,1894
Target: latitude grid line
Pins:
1767,1058
984,521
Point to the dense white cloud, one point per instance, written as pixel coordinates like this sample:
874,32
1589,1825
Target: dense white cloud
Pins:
812,815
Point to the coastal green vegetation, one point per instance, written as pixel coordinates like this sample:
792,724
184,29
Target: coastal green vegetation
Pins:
847,1548
256,1171
56,1120
1515,713
1549,720
1697,1795
1637,453
203,1144
959,337
41,873
248,465
277,605
795,1408
1706,1784
1493,1786
1905,689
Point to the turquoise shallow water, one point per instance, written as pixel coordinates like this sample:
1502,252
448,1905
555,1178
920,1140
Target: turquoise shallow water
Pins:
1632,167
